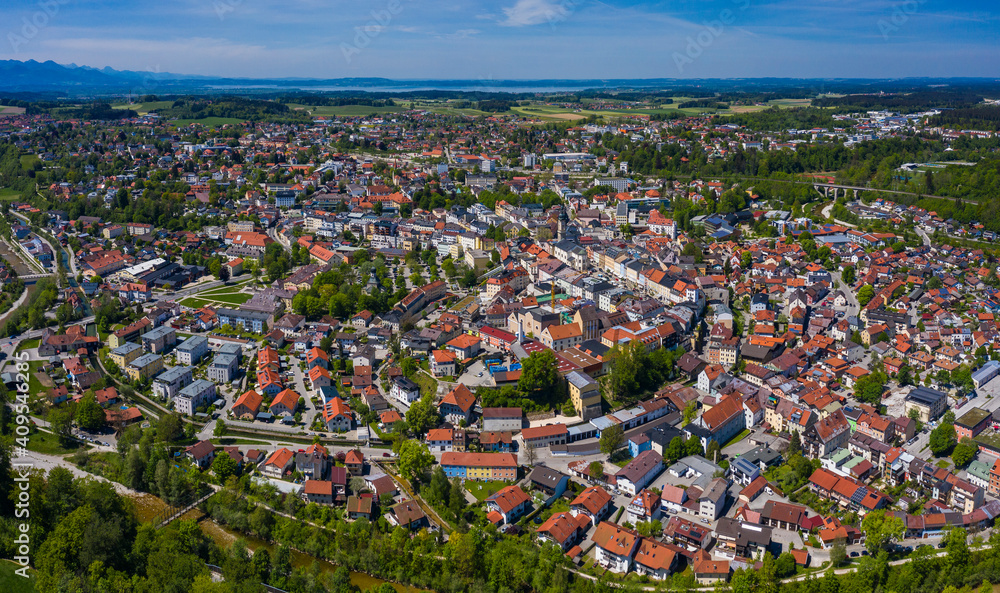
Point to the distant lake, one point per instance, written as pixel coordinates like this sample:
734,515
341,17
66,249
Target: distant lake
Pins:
405,89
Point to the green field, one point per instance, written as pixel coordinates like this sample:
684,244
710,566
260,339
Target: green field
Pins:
347,110
13,583
218,296
28,344
9,194
208,122
48,444
481,490
142,108
427,383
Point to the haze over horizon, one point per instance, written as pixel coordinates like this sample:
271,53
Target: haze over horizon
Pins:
512,39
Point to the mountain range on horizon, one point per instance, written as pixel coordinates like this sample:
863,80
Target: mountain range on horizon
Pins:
69,80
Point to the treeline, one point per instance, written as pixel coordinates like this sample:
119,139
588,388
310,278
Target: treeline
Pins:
31,314
12,173
981,117
495,105
480,560
99,110
776,119
84,536
337,101
232,107
910,101
710,103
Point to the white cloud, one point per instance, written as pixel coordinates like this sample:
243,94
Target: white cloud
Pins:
459,34
536,12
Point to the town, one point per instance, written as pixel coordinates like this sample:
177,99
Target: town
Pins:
496,327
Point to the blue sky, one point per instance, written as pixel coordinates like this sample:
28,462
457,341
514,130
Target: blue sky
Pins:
511,39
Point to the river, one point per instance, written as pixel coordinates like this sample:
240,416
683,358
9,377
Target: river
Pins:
148,506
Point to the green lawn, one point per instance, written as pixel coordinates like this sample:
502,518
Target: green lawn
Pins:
737,438
195,303
481,490
208,122
232,299
28,344
13,583
48,444
8,193
427,383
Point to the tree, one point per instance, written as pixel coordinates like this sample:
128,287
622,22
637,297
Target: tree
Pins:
957,548
224,466
964,452
612,439
880,530
423,414
693,446
784,566
61,423
794,444
904,377
865,294
90,414
869,389
538,373
942,439
690,412
675,450
414,459
409,367
530,454
838,555
596,469
745,581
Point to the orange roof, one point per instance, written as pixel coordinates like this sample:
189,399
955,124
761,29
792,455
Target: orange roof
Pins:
251,399
279,458
288,398
460,397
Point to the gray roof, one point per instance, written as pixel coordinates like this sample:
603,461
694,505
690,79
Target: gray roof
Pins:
579,380
158,333
925,395
193,342
126,348
172,374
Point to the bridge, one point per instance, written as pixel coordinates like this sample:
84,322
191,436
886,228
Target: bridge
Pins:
32,278
172,513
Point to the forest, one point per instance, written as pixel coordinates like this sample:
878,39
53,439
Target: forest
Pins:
980,117
234,107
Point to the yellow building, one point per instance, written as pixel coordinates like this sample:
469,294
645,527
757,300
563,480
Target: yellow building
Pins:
147,365
585,394
125,354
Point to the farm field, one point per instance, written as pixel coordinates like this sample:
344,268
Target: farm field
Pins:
208,122
143,108
346,110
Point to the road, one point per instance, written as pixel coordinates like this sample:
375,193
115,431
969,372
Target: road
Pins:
923,235
853,306
827,210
